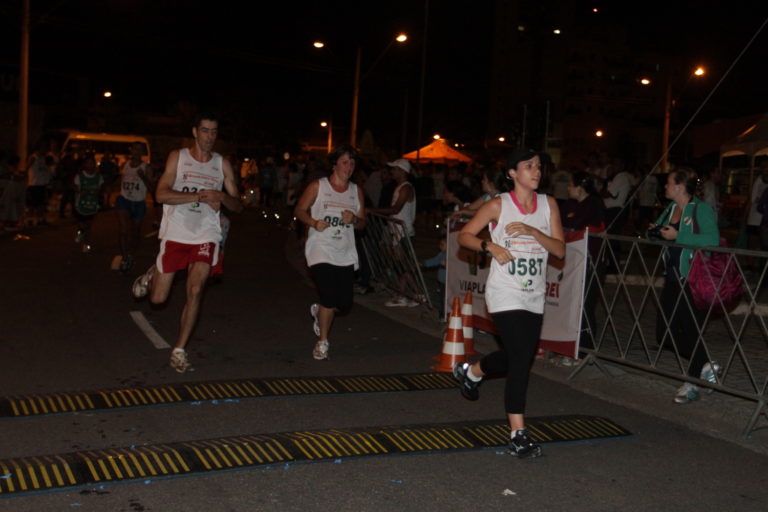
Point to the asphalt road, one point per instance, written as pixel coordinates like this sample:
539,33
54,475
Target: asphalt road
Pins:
66,327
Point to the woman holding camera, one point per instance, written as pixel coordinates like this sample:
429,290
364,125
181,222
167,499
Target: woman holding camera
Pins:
688,221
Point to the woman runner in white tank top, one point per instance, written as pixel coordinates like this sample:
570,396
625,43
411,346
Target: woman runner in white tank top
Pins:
525,228
332,207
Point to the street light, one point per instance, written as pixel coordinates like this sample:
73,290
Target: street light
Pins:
668,103
400,38
329,125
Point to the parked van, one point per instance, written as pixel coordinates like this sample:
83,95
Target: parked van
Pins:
98,143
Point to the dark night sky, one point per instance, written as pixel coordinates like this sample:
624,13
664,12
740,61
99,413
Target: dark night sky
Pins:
257,59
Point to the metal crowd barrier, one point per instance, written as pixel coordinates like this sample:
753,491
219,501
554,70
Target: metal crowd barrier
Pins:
392,259
626,310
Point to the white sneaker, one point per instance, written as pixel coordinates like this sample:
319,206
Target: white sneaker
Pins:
687,393
314,309
179,360
87,248
321,350
711,373
401,302
141,284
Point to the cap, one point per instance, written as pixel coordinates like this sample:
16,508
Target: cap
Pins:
401,163
520,155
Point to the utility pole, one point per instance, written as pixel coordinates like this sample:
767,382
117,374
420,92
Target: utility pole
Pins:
23,134
423,76
665,131
355,100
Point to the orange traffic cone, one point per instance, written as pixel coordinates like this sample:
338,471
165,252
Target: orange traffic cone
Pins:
453,344
468,325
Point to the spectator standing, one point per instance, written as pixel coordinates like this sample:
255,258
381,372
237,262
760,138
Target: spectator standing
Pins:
39,177
13,198
647,197
560,181
373,187
689,221
438,260
754,217
585,211
616,209
403,208
710,191
492,185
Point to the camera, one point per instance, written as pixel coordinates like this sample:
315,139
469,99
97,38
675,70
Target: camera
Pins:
655,232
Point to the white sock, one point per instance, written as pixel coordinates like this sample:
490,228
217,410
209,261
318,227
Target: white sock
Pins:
472,375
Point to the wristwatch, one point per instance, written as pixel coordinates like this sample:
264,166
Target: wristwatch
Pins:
484,245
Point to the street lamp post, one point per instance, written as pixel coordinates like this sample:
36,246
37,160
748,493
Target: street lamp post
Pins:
668,104
356,98
23,137
665,131
329,125
401,38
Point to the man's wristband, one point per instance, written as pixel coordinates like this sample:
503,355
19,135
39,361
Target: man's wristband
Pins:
484,245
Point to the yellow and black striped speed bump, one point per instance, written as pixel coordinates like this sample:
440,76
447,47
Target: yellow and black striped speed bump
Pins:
58,403
96,467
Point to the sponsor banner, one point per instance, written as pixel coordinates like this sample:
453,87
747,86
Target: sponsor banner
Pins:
467,271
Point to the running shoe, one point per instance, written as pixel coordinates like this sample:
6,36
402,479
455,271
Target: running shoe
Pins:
79,237
687,393
321,350
314,309
711,372
87,248
468,386
521,445
141,284
401,302
179,360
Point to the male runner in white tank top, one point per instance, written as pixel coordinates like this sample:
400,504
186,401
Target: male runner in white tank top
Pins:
190,190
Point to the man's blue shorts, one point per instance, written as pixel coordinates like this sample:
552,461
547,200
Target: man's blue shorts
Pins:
136,210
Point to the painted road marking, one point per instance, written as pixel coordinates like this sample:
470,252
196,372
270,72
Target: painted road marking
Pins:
141,321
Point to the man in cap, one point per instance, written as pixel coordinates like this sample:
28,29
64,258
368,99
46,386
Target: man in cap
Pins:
403,208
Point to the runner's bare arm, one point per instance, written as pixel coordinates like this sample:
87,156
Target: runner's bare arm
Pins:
357,220
230,198
489,212
165,193
406,194
306,200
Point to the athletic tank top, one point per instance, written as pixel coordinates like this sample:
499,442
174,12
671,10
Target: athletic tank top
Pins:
336,243
193,223
89,190
520,284
132,187
408,213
